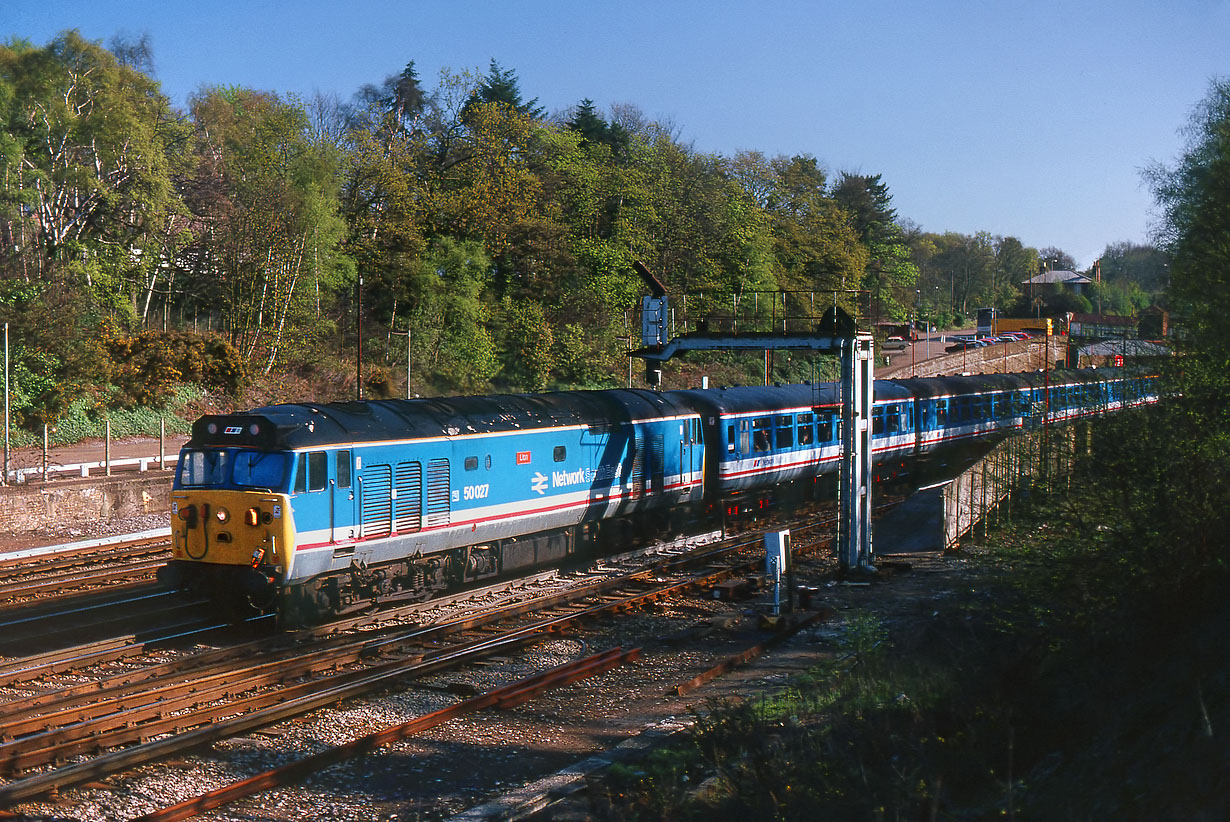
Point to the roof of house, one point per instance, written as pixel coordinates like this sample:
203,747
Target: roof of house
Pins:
1130,348
1057,276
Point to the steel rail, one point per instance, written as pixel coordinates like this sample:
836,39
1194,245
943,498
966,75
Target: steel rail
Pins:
73,580
271,707
70,556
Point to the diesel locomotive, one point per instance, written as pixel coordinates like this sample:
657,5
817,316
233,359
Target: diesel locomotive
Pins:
318,509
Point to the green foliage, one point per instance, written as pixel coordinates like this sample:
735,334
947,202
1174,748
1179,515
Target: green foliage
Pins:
529,344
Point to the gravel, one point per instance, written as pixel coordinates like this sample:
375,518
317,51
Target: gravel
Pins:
480,758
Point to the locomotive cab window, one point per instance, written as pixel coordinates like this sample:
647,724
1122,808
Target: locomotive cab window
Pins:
313,472
258,469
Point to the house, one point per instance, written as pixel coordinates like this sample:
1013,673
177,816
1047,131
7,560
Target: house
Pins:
1050,282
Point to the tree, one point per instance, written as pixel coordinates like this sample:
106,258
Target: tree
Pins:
586,121
1014,264
501,85
1194,197
1145,265
1056,259
891,274
86,195
267,196
394,107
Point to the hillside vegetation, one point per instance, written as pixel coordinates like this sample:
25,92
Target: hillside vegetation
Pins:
260,239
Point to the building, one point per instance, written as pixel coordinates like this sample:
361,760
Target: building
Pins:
1051,282
1102,326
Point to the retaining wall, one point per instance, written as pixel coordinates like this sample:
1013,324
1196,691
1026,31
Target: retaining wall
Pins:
32,507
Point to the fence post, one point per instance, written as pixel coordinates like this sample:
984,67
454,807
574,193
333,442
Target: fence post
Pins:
107,448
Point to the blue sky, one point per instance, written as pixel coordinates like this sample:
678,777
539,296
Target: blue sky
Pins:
1028,119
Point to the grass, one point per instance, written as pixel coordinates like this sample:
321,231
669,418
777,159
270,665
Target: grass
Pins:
1064,689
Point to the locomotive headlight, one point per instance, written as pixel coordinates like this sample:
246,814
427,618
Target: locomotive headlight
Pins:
252,516
222,515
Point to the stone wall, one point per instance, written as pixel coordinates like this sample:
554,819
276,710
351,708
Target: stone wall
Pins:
36,506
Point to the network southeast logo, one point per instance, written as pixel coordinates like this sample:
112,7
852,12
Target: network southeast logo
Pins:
540,481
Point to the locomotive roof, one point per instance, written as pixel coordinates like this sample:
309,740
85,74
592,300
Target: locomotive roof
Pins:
305,425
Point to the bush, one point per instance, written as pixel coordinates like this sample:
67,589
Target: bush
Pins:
147,369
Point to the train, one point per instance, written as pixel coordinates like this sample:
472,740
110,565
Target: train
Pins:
318,509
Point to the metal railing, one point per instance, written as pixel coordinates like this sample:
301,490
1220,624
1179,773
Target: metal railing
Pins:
17,476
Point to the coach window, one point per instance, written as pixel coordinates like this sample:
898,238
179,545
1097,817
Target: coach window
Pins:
892,418
760,433
877,421
561,453
730,438
826,428
343,469
941,412
806,431
785,431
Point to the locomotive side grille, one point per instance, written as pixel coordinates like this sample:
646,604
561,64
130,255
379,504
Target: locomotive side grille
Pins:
438,499
377,501
408,508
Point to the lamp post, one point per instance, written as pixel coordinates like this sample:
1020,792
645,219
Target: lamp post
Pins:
914,330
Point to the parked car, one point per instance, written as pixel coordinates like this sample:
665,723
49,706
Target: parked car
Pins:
964,345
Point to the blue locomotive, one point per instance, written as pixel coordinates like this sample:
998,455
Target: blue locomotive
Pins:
323,508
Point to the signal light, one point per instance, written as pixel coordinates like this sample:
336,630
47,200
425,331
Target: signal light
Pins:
222,515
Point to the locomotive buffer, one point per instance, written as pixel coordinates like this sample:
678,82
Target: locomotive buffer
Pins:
836,334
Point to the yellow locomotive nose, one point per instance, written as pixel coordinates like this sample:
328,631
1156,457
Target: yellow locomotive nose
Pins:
203,529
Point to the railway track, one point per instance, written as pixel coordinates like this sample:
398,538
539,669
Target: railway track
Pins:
58,738
30,576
